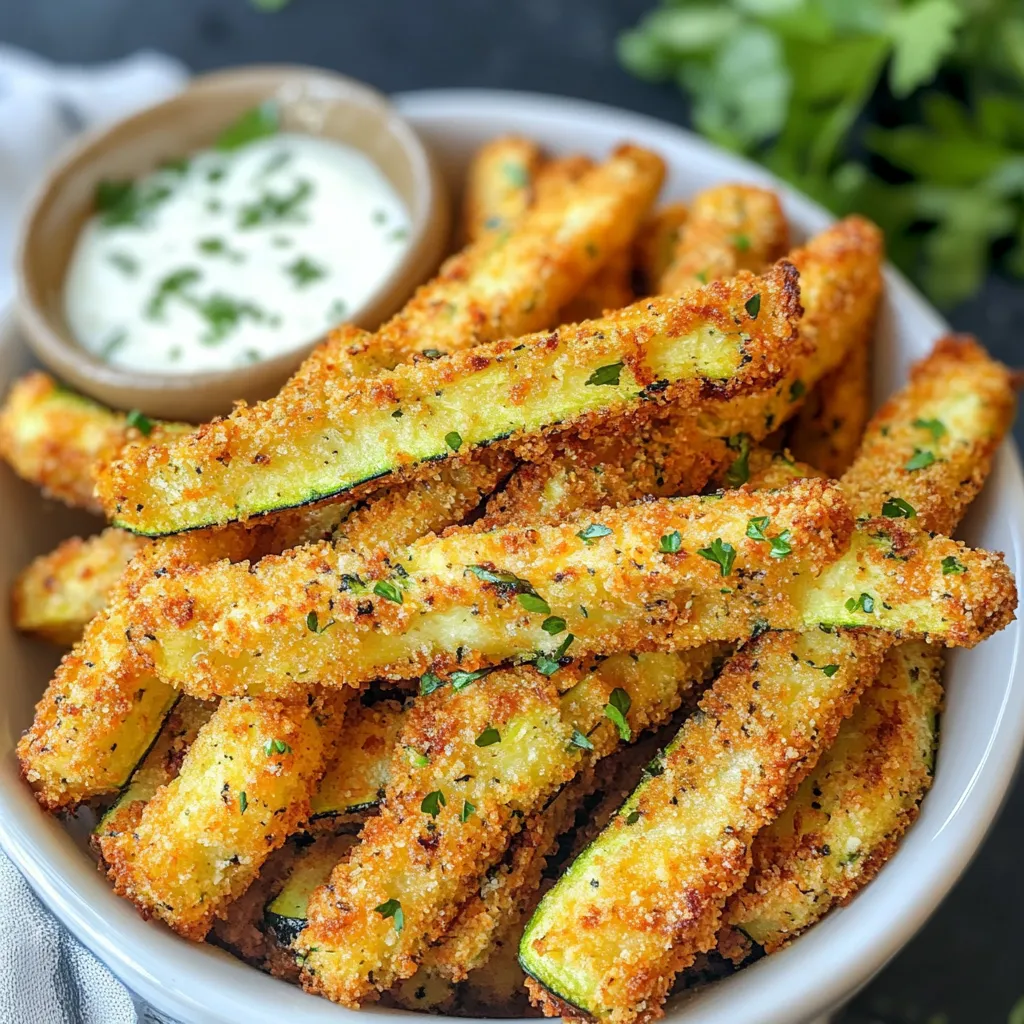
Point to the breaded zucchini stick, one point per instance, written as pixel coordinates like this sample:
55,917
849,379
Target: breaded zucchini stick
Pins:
499,186
541,740
634,908
666,575
684,903
51,436
338,434
676,453
57,595
243,788
729,228
846,819
827,429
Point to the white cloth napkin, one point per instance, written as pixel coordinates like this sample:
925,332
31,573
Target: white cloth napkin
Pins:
46,976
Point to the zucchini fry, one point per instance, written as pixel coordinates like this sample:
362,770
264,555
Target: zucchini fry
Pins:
505,744
849,814
729,228
676,453
499,186
243,788
57,595
331,438
610,950
656,243
286,624
616,583
616,987
827,429
51,436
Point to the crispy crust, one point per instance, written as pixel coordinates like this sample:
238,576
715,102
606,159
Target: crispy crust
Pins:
58,593
224,628
499,186
758,731
849,814
973,398
203,837
205,477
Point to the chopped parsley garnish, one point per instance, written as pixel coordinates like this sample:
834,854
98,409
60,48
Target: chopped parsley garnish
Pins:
276,747
429,683
797,390
670,543
337,312
124,262
593,532
174,284
433,802
466,812
739,472
128,203
313,624
489,736
460,679
304,271
516,174
454,440
534,603
753,306
549,664
950,565
243,802
114,343
757,526
606,375
897,508
143,424
554,625
616,710
722,553
507,581
921,459
257,123
633,817
224,314
781,545
741,242
830,670
274,209
387,590
579,740
866,603
393,909
416,758
934,427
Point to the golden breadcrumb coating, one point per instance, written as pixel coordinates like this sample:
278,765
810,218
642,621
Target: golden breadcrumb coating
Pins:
57,595
499,186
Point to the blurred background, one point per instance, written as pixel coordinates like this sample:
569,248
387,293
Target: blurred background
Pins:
911,111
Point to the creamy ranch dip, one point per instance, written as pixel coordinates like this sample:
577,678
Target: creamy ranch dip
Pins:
233,255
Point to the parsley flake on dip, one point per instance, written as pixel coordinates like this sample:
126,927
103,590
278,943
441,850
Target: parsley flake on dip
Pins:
235,254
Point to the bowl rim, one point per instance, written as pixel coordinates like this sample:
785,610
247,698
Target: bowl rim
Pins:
58,349
792,985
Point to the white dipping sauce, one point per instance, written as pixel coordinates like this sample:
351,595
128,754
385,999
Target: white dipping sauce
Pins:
232,257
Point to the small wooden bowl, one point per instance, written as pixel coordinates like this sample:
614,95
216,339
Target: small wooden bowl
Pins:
312,101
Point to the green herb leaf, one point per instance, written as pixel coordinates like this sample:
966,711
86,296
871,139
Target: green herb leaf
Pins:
276,747
741,242
934,427
460,679
605,375
616,710
393,909
387,590
554,625
453,439
416,758
866,603
593,532
781,545
739,472
670,543
579,740
257,123
243,802
304,271
143,424
722,553
432,803
897,508
549,664
921,459
756,527
753,306
534,603
950,564
797,390
923,34
467,811
633,817
830,670
429,683
489,736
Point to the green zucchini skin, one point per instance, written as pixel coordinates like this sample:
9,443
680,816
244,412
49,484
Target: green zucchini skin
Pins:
285,915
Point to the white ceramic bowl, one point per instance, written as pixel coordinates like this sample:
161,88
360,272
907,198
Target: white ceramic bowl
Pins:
982,729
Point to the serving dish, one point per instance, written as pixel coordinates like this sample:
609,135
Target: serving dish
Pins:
312,102
980,746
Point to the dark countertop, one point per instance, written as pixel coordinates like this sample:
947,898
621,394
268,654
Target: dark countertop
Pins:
961,968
